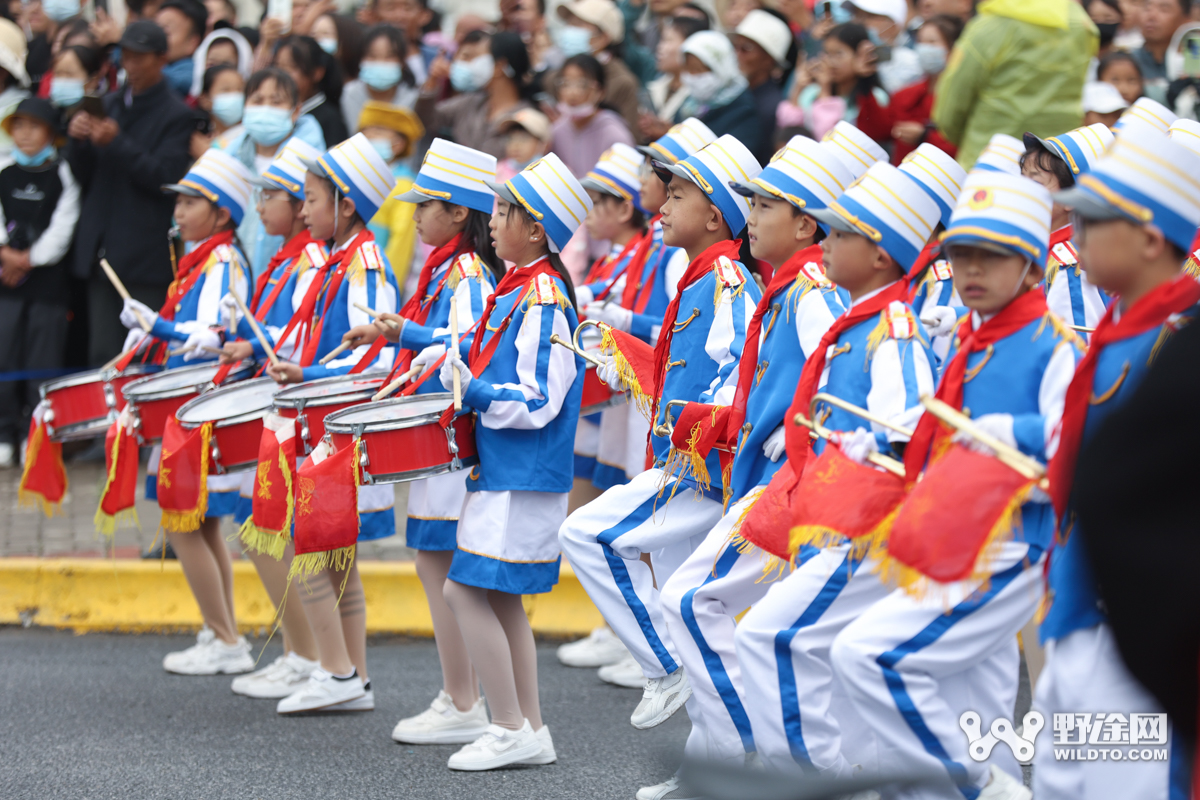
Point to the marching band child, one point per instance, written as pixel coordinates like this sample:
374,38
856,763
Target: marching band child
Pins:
666,510
211,200
1056,163
1136,213
453,217
526,393
343,188
874,357
905,660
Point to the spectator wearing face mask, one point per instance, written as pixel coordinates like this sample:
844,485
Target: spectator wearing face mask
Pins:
490,74
884,20
223,97
383,75
1108,18
526,137
77,71
838,85
43,21
667,92
222,46
766,51
319,81
393,132
183,21
720,95
414,18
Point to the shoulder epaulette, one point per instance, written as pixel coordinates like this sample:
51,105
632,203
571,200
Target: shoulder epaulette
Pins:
1192,265
727,273
1065,254
941,270
466,265
900,321
316,254
225,253
545,290
815,272
372,258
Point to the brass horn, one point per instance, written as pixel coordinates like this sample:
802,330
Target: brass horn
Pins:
1031,468
817,430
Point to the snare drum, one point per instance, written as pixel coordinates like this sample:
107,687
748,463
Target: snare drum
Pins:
237,412
156,399
84,406
597,395
310,402
402,439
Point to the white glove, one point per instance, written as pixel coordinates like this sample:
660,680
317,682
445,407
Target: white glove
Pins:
131,309
133,339
229,312
205,337
943,318
611,314
446,376
607,372
1000,426
583,296
427,356
858,444
776,444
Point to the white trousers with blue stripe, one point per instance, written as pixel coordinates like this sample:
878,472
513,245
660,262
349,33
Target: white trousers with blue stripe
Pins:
798,711
1084,674
701,602
914,665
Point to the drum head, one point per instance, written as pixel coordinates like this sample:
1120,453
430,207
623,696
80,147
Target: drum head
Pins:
232,401
312,392
402,412
590,338
180,379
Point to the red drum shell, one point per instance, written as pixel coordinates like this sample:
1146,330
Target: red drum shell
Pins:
85,405
309,403
420,449
237,411
597,395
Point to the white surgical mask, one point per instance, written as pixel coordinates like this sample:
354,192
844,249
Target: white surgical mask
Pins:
703,87
328,45
573,40
931,57
473,75
582,111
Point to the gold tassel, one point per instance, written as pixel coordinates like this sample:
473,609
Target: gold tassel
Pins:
106,524
26,498
265,540
1192,267
819,536
643,402
188,521
306,565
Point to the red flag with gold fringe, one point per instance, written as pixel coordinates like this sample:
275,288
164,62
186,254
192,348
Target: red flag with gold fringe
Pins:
699,428
634,360
966,502
326,513
183,476
44,478
269,526
120,476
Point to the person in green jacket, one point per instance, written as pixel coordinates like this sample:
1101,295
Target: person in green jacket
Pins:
1019,66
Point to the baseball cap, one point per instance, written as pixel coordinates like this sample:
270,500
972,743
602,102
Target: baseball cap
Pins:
604,14
1103,98
144,36
534,122
768,32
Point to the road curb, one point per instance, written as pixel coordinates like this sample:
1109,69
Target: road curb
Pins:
150,596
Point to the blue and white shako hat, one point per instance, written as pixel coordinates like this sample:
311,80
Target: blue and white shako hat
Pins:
1002,154
551,195
805,173
358,172
1149,111
1080,148
455,174
617,173
680,142
1187,133
287,169
1146,178
854,149
998,211
713,168
938,174
889,208
219,178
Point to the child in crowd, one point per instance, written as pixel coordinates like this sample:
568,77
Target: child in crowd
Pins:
393,132
527,135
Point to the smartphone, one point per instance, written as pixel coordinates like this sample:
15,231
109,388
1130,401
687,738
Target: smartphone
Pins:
1191,55
282,11
93,105
827,9
883,52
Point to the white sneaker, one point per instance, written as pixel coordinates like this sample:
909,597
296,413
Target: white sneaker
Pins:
8,454
1003,786
547,756
667,790
626,673
364,703
661,698
497,747
322,691
443,723
211,658
282,677
599,649
203,639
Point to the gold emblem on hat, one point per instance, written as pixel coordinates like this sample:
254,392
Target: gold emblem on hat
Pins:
981,199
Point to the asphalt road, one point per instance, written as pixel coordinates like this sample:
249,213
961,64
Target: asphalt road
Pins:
95,716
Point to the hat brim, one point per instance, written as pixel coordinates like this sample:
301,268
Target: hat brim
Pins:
602,188
315,168
750,189
180,189
666,171
1091,206
1029,139
414,195
984,244
833,219
502,191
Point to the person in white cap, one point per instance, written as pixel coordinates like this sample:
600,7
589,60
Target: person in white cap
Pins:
596,28
800,722
14,83
886,20
766,51
525,392
666,511
944,642
1102,103
723,101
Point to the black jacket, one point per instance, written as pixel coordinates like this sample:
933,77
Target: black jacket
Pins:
125,215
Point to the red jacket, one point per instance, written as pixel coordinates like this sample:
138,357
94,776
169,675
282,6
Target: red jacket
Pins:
911,104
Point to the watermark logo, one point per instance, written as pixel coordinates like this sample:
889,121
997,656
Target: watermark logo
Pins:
981,744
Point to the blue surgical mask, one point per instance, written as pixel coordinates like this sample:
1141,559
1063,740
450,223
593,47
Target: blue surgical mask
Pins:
267,125
384,148
931,57
35,160
60,10
379,75
328,45
573,40
228,107
473,75
179,75
66,91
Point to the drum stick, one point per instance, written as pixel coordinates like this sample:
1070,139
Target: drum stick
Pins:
454,346
121,290
334,353
262,339
372,312
391,387
1081,329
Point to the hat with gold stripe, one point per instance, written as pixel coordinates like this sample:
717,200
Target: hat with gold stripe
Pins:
854,148
939,175
287,170
219,178
358,172
806,173
1080,148
680,141
1187,133
713,168
1149,111
1146,178
1002,154
998,210
889,208
617,174
552,196
455,174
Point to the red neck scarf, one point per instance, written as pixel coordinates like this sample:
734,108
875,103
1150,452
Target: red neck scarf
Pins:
290,252
606,269
417,307
700,266
928,254
780,281
521,278
929,434
190,269
798,441
634,273
1147,313
327,284
1061,235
